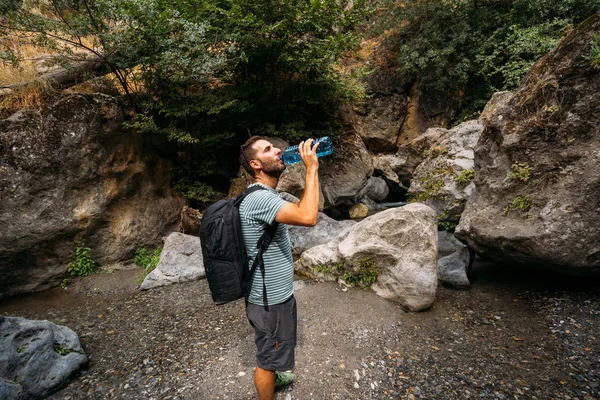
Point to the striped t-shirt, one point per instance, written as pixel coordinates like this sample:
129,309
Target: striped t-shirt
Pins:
259,208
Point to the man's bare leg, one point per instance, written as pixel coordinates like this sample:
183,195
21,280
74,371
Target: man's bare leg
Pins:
264,380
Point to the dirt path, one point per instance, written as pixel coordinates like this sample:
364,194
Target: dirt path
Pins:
511,336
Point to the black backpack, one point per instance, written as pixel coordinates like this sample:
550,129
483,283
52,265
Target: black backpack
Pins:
224,251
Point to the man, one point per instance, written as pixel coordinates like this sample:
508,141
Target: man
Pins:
275,325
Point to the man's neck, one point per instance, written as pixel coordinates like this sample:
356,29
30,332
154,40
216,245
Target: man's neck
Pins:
266,180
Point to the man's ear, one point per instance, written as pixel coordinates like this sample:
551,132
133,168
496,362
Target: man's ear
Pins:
255,164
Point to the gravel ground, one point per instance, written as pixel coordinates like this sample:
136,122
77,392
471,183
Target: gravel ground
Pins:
511,336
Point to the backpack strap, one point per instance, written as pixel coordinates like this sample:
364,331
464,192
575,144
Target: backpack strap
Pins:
241,197
262,245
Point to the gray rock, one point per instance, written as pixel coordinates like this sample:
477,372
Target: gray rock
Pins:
400,242
37,358
388,165
498,100
376,189
411,154
180,261
537,197
345,174
453,269
327,229
440,180
9,390
448,244
69,171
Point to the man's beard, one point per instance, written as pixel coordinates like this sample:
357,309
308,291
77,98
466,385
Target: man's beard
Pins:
273,168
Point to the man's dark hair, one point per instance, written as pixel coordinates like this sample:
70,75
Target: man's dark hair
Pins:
248,153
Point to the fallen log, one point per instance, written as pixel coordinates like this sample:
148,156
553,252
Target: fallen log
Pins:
63,78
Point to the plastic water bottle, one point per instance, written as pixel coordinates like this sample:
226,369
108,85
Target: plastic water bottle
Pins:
291,155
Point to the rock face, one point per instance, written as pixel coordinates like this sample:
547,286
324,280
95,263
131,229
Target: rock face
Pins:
69,172
345,173
327,229
537,198
401,243
379,121
37,358
399,167
180,261
443,180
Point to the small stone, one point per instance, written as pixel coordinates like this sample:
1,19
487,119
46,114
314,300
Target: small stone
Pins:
356,386
241,373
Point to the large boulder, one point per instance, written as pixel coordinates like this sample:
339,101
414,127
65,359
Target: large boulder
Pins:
327,229
346,172
443,180
379,119
396,249
69,172
537,197
37,358
180,261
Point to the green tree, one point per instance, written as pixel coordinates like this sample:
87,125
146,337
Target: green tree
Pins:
468,49
205,74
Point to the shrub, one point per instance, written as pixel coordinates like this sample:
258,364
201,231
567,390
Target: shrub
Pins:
83,265
520,203
465,177
145,260
520,171
365,275
432,186
195,190
435,151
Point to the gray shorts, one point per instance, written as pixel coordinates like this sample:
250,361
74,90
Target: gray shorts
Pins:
275,334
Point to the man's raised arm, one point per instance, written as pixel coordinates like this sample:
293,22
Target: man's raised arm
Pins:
304,213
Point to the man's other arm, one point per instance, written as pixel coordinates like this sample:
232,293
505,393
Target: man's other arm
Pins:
305,213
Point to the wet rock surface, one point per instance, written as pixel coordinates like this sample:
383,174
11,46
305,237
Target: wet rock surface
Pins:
510,336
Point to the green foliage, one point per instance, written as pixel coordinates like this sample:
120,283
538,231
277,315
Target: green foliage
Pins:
328,269
520,203
83,264
432,184
363,276
206,74
466,50
64,283
444,223
594,56
62,350
195,190
145,260
465,177
435,151
20,349
519,171
448,225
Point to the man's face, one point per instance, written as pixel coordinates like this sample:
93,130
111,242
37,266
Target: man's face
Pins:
269,158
